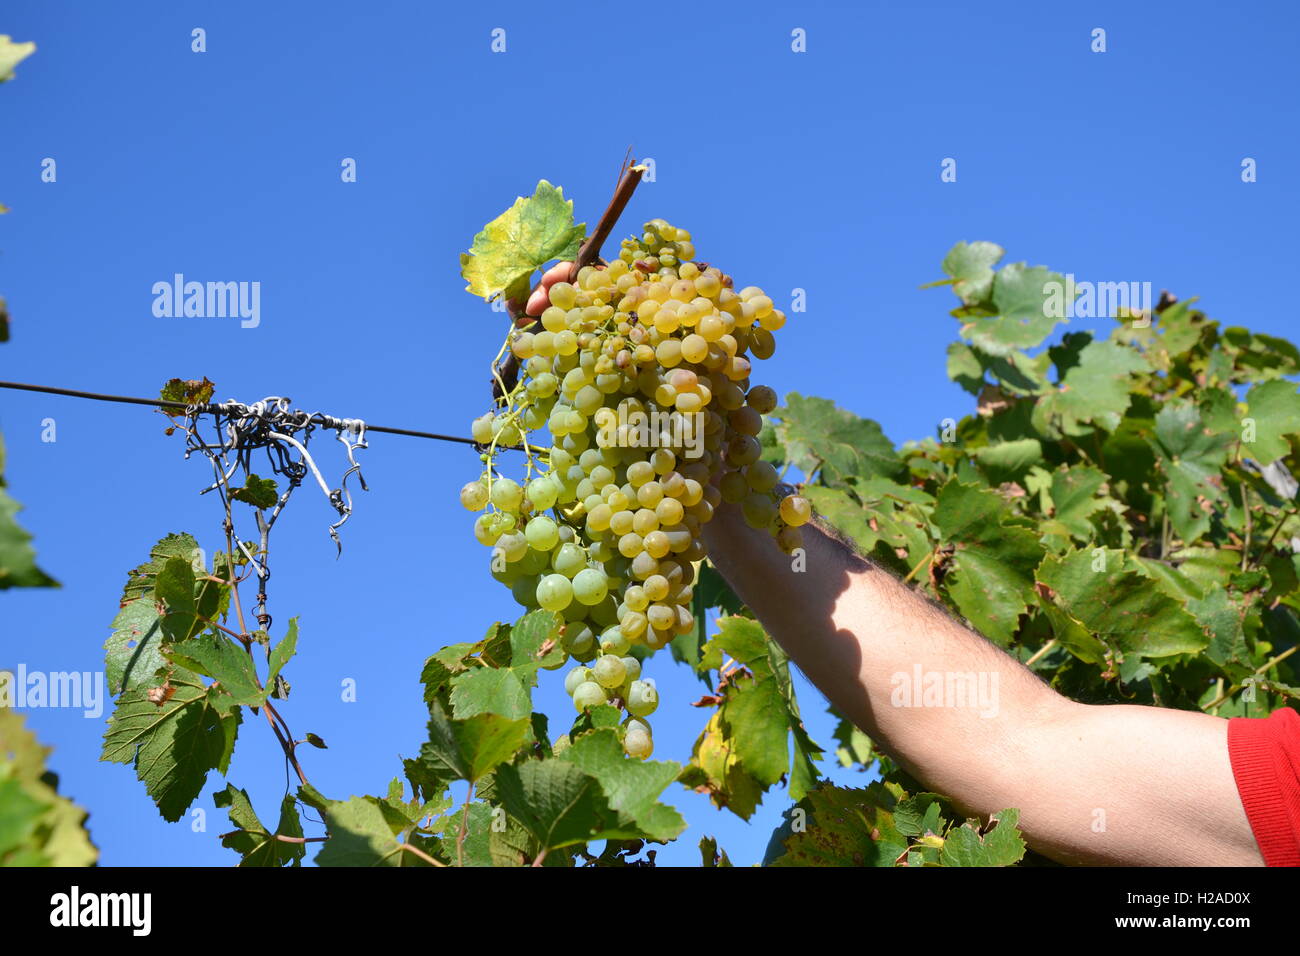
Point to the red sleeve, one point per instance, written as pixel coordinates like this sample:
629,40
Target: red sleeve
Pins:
1265,756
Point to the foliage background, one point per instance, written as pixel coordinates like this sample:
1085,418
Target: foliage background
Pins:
817,171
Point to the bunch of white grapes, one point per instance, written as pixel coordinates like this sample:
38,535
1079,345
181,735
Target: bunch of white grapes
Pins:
639,371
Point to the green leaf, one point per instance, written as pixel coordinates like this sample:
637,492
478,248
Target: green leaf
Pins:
173,744
816,433
1009,460
1096,390
215,656
133,652
17,559
970,264
11,54
141,581
261,493
359,834
845,827
717,771
631,787
992,577
1119,605
38,827
1000,843
1192,458
1275,409
521,240
283,651
256,845
468,749
558,804
755,716
1021,305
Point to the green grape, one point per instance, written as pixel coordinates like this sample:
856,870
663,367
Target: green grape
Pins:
579,675
578,640
568,560
542,492
474,496
613,641
542,533
554,592
512,546
524,590
632,668
588,694
534,562
486,530
589,586
609,670
506,494
638,744
481,428
642,698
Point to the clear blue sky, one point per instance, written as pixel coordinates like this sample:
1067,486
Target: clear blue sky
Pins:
817,170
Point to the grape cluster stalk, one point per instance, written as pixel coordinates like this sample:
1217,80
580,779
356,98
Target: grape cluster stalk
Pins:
640,377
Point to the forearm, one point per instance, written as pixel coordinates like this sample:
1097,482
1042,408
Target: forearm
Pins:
864,638
1094,784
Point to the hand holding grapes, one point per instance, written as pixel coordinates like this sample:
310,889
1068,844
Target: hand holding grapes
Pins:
640,374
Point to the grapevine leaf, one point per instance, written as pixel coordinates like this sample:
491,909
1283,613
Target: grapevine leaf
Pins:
38,827
716,770
1009,460
755,716
17,559
710,855
11,54
468,749
173,744
1191,457
1022,305
525,237
282,652
491,690
229,665
1274,408
817,433
141,581
558,804
256,845
845,827
261,493
1000,843
631,787
970,264
1096,390
133,652
1120,605
993,563
359,834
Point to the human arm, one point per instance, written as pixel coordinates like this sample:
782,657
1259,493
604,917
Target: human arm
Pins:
1110,784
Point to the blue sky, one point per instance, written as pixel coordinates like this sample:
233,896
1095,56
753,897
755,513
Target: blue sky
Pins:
816,170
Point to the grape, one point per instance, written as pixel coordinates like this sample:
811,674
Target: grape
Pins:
638,745
796,510
609,671
642,698
588,694
589,586
554,592
579,675
542,533
474,496
640,372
